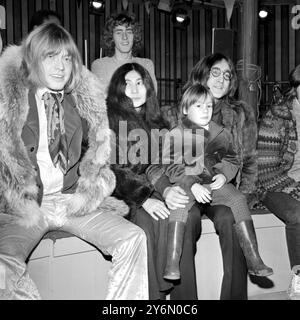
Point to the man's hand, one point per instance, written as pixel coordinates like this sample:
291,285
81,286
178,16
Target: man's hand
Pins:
200,193
219,181
175,197
156,209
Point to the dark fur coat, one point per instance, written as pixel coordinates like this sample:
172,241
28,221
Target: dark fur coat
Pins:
18,190
132,184
240,120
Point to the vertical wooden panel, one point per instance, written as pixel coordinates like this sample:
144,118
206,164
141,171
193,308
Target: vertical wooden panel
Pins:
65,7
38,5
79,35
17,12
52,5
208,32
142,23
262,54
86,32
45,4
156,43
177,54
278,43
215,18
162,52
10,17
292,44
196,36
168,56
202,33
25,19
107,8
152,36
73,20
270,75
172,58
182,61
120,7
284,45
190,44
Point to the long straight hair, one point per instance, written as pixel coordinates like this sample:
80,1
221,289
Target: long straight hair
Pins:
117,98
47,39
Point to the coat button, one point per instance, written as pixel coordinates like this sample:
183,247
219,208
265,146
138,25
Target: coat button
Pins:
31,149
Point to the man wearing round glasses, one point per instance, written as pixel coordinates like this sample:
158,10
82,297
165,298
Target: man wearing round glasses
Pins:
217,72
219,79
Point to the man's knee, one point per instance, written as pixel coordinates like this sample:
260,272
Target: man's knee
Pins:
223,218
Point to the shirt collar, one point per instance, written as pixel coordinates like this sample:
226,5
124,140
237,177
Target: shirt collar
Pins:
41,91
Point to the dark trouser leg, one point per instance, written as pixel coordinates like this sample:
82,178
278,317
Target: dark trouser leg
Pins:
186,287
234,284
156,233
287,209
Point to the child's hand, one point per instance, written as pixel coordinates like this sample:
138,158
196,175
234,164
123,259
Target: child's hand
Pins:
219,181
200,193
156,209
175,197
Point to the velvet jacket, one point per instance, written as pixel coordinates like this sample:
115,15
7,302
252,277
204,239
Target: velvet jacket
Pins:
19,192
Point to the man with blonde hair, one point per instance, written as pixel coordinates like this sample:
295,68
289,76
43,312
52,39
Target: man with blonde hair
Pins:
54,165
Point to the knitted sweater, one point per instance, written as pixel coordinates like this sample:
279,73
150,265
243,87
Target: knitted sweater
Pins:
277,146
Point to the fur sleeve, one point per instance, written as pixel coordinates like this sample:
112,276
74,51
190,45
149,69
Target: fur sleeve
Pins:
133,188
97,181
249,160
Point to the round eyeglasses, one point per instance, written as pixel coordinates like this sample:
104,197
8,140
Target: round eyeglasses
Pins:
216,72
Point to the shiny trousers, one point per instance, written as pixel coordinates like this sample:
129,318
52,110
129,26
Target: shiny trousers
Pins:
287,209
111,234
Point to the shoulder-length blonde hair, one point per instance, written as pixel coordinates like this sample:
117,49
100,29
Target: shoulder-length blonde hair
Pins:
47,39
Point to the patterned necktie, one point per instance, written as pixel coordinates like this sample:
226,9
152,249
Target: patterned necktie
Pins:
57,140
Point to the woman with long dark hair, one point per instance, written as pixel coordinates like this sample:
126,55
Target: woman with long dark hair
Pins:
134,112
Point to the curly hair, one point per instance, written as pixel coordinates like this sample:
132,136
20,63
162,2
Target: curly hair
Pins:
121,19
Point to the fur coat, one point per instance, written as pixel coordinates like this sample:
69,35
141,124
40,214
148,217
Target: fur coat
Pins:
240,120
132,184
18,190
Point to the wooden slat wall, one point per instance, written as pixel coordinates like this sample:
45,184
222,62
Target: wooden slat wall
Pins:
279,46
173,51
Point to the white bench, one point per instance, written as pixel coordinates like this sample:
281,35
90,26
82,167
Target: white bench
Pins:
69,268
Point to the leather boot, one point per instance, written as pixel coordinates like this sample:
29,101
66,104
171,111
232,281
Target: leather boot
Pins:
248,242
174,249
